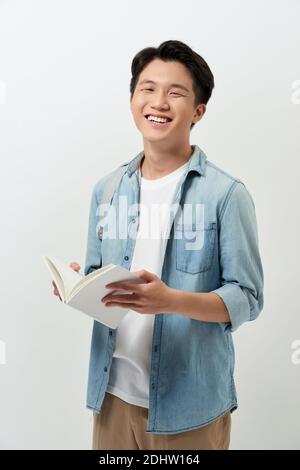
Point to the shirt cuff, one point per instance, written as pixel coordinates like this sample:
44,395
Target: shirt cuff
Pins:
236,303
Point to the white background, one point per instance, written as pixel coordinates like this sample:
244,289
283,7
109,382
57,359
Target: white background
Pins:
66,122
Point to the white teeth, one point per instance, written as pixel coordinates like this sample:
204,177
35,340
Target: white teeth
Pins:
156,119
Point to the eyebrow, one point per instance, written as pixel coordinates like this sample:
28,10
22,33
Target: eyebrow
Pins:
177,85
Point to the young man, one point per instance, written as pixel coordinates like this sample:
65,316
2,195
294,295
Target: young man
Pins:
164,378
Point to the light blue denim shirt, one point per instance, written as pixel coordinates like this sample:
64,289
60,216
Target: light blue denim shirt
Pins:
192,363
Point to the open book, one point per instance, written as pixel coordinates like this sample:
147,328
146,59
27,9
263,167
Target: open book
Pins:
84,293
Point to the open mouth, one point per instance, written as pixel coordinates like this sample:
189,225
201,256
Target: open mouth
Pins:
158,124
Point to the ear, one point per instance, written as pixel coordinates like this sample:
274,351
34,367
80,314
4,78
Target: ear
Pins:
199,112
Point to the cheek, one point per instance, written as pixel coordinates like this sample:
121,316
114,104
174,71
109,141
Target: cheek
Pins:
184,116
138,103
138,111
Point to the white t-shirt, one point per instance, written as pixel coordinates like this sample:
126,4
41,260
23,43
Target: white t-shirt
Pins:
131,362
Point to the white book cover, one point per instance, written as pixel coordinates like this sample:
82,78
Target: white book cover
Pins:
84,293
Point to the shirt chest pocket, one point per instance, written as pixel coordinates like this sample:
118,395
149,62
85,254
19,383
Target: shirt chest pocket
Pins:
195,246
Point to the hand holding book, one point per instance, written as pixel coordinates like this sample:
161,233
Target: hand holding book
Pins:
84,292
76,268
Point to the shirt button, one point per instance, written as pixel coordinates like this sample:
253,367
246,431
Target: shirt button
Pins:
133,221
105,369
110,332
126,257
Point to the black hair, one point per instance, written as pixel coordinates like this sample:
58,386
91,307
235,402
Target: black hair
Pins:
172,50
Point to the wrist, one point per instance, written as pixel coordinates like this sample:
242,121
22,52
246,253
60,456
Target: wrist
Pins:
175,301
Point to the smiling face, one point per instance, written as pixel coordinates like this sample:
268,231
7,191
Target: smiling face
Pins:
165,89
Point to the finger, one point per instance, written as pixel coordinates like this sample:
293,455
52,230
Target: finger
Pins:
117,304
117,291
55,292
124,285
55,289
122,299
75,266
58,294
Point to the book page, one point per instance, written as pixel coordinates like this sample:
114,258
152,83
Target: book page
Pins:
88,299
56,277
88,278
69,277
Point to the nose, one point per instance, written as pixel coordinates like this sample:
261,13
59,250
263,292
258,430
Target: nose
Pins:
160,102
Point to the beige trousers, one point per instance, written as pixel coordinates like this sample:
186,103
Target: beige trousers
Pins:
121,425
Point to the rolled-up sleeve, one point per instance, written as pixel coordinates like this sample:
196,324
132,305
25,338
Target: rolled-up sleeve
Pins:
242,278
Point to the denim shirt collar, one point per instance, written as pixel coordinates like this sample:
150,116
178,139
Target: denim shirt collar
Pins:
197,162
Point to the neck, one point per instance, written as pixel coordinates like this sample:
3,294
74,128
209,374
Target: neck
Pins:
158,162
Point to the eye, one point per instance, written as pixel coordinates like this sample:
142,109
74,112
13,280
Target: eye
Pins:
151,89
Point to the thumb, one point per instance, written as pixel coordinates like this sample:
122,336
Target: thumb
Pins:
75,266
